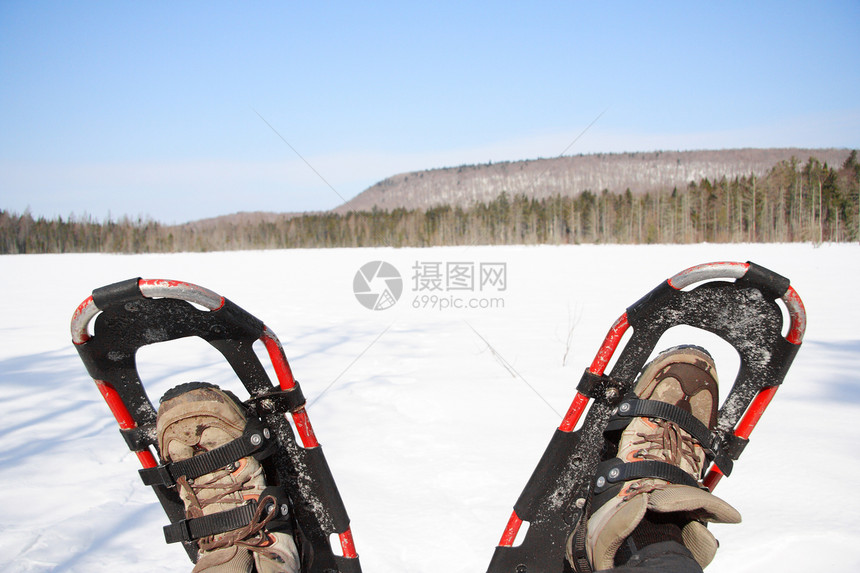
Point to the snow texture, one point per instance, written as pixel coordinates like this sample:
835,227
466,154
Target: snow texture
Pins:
431,420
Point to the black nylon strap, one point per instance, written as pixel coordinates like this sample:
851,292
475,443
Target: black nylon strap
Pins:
710,441
599,387
634,408
622,472
280,401
198,527
139,438
736,447
253,439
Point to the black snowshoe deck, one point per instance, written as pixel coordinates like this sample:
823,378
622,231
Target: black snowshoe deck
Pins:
134,313
744,312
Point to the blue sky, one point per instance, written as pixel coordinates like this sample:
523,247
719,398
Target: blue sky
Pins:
163,110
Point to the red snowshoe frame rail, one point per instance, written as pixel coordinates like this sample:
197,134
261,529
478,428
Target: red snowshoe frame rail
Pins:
686,278
188,292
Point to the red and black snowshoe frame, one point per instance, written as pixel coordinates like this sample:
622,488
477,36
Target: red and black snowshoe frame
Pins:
743,312
131,314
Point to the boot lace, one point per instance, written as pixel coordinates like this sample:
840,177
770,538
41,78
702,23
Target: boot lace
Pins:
213,490
667,443
671,444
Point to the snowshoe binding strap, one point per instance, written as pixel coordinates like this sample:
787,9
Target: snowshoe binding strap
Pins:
272,513
255,440
631,408
612,473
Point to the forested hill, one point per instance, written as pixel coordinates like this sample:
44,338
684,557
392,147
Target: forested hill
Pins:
570,175
814,200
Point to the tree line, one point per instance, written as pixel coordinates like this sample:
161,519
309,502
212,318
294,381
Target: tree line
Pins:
793,202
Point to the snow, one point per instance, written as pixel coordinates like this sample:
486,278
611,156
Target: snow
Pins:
431,420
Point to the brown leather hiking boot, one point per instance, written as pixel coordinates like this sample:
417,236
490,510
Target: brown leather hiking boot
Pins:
197,418
680,382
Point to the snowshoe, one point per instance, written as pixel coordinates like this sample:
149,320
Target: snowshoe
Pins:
131,314
744,312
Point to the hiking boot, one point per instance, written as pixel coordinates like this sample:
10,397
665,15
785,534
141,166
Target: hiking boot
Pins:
628,515
198,417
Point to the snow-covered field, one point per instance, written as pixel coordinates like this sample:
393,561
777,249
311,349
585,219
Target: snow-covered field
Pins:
431,419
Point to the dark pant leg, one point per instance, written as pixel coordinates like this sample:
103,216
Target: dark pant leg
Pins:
664,557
